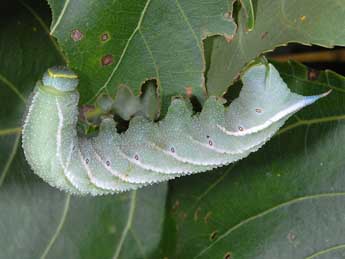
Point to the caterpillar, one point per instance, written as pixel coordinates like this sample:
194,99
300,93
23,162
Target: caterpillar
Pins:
148,152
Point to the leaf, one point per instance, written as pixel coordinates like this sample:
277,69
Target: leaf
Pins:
37,220
285,201
248,7
287,197
276,23
127,42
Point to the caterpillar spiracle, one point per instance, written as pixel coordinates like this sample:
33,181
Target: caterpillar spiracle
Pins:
147,153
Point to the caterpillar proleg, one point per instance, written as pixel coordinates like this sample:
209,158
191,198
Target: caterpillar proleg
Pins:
147,153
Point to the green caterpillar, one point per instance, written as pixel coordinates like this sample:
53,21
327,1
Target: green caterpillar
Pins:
148,152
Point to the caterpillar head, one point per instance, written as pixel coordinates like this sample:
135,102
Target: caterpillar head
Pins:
61,78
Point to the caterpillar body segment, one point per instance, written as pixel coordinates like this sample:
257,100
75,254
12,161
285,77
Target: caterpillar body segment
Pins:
147,153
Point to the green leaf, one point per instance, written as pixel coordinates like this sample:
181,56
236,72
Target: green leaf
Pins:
248,7
276,23
37,221
287,198
285,201
127,42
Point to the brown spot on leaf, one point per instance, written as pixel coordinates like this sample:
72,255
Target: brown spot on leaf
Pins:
196,214
107,60
229,38
76,35
291,236
213,235
264,35
189,91
228,255
176,205
207,217
105,36
313,74
292,239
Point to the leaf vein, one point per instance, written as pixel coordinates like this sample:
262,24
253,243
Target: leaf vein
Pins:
151,55
325,251
139,244
214,185
60,17
125,49
10,131
45,28
185,18
10,160
265,212
311,122
128,225
59,227
12,87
